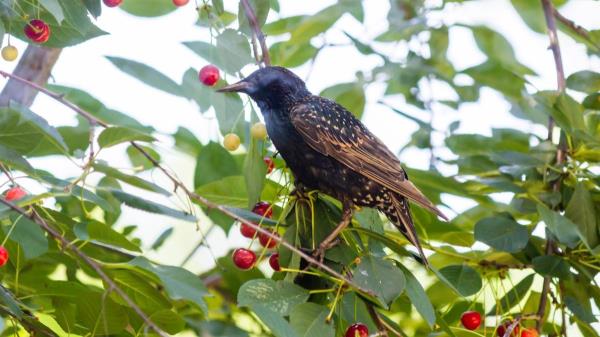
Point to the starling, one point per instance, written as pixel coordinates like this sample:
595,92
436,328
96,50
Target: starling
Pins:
329,150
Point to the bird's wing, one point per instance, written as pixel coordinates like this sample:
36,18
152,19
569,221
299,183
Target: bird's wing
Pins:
333,131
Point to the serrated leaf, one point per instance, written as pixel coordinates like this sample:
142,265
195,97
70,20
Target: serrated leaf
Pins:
461,278
502,232
233,50
151,206
418,297
129,179
179,283
146,74
381,277
117,135
310,319
280,297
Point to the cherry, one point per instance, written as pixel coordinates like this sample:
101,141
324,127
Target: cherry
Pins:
180,3
37,31
258,131
266,240
263,208
529,333
357,330
247,231
274,262
231,141
3,256
244,258
112,3
10,53
209,75
471,320
14,193
502,328
270,164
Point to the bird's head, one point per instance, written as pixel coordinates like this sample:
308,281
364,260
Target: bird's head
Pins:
271,87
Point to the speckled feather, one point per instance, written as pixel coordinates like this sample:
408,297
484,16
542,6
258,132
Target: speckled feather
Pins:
330,150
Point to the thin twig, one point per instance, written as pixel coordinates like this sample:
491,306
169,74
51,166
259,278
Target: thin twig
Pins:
192,195
584,33
257,31
35,217
382,330
549,13
7,173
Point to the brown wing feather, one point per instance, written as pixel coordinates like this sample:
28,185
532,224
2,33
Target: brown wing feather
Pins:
332,130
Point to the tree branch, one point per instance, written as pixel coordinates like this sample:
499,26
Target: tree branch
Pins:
35,217
35,66
192,195
549,13
584,33
257,32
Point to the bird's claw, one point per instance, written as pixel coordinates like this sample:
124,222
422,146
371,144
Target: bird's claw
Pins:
319,253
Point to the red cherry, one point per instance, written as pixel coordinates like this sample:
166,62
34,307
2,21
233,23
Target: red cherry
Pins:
112,3
471,320
244,258
37,31
3,256
270,164
209,75
274,262
357,330
247,231
502,328
263,208
180,3
266,241
529,333
14,193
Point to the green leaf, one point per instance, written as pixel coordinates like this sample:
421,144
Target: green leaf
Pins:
350,95
213,164
280,297
25,132
291,55
278,326
381,277
14,160
461,278
60,186
146,74
550,265
310,319
255,171
502,232
582,211
315,24
94,7
418,297
11,302
151,206
585,81
139,289
129,179
261,11
147,8
29,236
117,135
168,320
564,229
283,25
233,50
185,140
53,6
139,160
95,230
513,297
579,310
179,283
160,240
499,77
222,329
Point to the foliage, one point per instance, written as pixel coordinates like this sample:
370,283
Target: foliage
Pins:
491,258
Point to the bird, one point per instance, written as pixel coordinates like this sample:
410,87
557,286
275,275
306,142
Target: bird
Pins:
329,150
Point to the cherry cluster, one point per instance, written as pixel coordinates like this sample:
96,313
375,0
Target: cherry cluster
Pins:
471,320
245,258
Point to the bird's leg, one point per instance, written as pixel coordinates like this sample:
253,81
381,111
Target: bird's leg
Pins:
299,191
331,239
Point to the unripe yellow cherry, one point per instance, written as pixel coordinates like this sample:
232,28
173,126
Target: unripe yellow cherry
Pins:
10,53
258,131
231,141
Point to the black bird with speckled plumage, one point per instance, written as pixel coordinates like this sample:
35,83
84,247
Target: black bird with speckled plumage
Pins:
330,150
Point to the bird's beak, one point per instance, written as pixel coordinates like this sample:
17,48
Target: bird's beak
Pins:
241,86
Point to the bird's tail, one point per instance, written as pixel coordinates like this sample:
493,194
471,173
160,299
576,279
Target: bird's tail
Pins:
399,214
